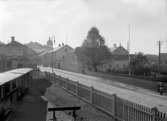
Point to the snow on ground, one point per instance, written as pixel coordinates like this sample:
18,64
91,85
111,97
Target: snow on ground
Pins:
136,95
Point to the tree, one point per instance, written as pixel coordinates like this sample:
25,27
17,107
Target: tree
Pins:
93,39
93,49
139,65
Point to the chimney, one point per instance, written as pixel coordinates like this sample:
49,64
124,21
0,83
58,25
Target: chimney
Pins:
12,38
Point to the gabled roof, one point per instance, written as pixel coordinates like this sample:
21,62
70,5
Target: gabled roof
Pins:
112,49
54,50
15,44
1,43
16,49
164,56
12,74
119,51
35,46
45,51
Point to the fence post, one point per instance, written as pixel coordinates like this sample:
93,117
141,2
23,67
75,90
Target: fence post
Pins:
77,86
114,106
154,112
91,94
66,83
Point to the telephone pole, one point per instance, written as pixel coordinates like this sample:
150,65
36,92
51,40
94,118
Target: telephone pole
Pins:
129,50
159,56
53,40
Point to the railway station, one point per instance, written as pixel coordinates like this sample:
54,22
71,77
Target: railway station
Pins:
83,60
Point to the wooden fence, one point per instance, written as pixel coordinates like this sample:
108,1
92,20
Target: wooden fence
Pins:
120,109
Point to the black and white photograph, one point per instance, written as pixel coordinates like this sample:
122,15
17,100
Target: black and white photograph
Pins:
83,60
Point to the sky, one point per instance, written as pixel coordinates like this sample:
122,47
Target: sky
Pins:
69,21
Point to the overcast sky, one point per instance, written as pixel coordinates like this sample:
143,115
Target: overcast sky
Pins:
70,20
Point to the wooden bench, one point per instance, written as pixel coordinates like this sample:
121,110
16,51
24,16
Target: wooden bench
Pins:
74,109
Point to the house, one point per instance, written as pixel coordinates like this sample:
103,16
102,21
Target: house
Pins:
154,60
15,55
1,43
38,48
62,57
164,62
119,60
164,58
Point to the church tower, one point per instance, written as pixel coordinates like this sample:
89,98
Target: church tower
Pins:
50,43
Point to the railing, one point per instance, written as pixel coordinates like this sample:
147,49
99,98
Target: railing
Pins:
120,109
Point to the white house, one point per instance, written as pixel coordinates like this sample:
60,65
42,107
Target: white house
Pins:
118,62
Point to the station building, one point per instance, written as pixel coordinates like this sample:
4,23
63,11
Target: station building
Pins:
15,55
61,57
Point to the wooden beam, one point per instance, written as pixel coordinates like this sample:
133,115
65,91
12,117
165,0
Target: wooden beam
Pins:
64,108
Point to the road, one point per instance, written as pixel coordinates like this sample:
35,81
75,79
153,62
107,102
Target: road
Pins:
142,83
140,96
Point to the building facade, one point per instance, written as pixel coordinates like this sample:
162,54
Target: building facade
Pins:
15,55
164,62
62,57
118,62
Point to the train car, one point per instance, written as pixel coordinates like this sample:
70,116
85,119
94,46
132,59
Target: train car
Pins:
13,85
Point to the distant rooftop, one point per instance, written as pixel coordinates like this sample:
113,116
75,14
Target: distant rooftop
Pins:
120,50
54,50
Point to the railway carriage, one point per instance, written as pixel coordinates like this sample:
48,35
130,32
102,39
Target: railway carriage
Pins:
13,85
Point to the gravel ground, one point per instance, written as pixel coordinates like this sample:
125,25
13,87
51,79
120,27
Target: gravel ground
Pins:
60,97
32,107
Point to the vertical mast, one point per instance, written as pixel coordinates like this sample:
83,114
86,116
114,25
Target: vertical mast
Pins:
129,48
159,56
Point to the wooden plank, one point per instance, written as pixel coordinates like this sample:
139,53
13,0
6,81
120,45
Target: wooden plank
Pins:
64,108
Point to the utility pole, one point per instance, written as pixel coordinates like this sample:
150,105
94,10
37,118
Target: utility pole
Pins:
52,61
52,55
53,51
159,56
129,50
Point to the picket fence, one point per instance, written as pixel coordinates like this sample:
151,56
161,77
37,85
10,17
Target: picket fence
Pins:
120,109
